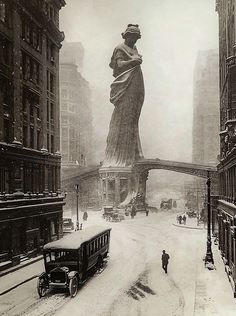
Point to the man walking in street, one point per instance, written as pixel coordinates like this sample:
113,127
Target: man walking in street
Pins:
165,260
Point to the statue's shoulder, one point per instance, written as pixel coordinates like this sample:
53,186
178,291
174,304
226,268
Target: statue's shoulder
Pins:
120,47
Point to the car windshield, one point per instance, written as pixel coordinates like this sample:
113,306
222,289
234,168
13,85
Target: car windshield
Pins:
67,221
61,256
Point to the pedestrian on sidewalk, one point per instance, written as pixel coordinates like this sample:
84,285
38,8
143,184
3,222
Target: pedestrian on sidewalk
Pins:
85,216
165,260
184,219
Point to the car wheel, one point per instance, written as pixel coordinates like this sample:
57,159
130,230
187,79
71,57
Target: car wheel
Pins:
73,286
42,288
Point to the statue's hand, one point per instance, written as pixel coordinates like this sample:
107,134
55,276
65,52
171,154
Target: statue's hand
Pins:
136,60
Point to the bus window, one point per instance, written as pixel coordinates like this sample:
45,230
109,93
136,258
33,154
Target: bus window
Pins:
47,257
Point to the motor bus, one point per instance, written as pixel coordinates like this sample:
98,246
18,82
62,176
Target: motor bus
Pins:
68,260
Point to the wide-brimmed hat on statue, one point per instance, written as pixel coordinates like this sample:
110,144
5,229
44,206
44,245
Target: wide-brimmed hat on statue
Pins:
132,29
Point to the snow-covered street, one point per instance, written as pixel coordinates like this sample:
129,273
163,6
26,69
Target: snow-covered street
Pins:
133,283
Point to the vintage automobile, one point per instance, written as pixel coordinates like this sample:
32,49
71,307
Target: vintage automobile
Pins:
107,212
68,260
116,217
68,225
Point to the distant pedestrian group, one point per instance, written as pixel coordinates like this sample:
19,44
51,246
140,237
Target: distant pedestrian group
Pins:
181,219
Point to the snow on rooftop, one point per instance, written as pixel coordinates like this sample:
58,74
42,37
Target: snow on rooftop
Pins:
74,240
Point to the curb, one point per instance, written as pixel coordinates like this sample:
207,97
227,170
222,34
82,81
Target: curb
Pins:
188,227
20,266
15,286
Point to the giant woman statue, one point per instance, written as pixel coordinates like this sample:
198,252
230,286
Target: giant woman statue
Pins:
127,96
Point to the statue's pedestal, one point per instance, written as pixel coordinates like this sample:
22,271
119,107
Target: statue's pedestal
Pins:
120,184
117,184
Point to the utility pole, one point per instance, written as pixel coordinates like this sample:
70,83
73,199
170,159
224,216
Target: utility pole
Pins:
209,262
77,206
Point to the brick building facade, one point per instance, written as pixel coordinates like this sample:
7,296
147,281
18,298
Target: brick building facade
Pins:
227,166
30,199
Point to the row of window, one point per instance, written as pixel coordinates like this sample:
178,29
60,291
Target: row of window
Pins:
97,244
49,9
32,138
33,178
228,183
32,34
65,107
31,71
66,93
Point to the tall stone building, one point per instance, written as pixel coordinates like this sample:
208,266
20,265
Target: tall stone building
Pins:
76,121
206,117
227,165
206,108
30,199
76,112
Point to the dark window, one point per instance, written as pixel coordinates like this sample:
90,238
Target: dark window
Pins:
47,111
31,137
38,112
25,135
6,130
38,140
5,52
52,144
51,83
48,142
31,110
52,111
48,80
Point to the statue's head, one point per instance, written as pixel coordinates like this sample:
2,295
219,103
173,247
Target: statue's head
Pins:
132,33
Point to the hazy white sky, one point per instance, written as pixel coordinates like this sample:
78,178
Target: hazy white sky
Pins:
173,31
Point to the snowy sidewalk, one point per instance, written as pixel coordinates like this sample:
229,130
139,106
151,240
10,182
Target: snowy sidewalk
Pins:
20,276
213,292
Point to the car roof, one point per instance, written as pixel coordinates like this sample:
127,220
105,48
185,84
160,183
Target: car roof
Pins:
76,239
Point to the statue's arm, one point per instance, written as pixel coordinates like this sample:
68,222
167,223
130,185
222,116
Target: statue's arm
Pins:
133,62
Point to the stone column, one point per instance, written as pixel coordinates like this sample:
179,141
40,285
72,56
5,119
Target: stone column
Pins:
17,122
43,105
117,190
1,117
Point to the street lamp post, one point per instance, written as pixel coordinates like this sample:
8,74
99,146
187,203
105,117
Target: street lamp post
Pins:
77,206
209,261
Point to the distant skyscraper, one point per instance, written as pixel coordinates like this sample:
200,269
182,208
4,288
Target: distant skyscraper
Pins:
76,113
72,53
206,108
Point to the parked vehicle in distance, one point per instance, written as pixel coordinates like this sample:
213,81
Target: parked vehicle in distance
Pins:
68,225
107,212
112,214
68,260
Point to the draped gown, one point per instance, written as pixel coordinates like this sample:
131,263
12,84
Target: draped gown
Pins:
127,96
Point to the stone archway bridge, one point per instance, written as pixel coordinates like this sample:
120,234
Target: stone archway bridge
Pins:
109,185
